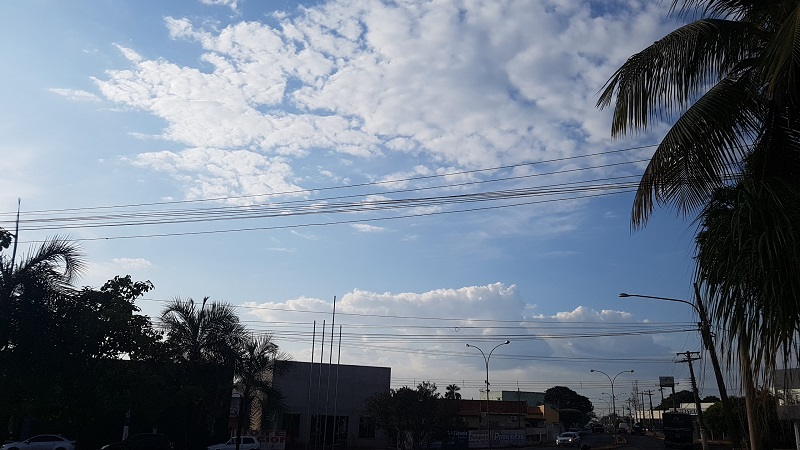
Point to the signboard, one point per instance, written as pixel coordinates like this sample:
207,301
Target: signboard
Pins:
666,381
274,440
478,439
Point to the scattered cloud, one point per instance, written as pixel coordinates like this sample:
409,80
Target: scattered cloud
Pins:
457,86
364,228
232,4
132,263
391,324
76,95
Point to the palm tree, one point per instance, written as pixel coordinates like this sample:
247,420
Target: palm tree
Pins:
204,340
730,80
47,272
752,286
451,392
28,287
256,364
200,334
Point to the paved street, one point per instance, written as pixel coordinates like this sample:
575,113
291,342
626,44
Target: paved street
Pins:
598,441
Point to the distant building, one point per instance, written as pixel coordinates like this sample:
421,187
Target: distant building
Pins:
787,391
325,404
531,398
506,420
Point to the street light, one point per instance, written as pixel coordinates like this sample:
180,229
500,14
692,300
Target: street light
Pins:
708,343
486,360
613,397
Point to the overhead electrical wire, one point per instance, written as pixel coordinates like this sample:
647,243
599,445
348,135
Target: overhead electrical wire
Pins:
372,183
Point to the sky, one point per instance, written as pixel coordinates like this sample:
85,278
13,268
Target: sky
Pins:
439,168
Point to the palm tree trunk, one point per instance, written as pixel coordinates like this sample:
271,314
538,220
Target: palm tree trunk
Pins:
749,396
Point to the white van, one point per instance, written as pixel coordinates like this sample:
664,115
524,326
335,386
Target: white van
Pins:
623,428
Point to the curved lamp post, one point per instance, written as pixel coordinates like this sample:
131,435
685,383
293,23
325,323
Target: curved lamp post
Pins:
486,360
613,397
708,343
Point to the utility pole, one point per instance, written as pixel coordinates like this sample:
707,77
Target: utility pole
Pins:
652,422
689,359
708,342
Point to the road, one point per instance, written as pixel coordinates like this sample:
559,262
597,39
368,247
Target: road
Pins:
605,440
637,442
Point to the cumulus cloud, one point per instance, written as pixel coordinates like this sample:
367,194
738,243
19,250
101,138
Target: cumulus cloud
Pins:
425,333
248,176
458,85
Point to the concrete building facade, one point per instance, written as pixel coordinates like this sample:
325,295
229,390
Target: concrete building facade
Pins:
325,405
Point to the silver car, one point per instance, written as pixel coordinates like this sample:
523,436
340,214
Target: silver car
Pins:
41,442
568,439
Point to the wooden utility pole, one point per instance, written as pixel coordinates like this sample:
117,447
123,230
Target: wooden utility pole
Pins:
689,358
652,421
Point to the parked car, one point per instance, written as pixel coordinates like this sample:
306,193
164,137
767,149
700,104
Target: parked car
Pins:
248,443
41,442
637,428
598,428
568,439
143,441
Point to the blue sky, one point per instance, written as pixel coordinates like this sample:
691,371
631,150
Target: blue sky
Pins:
438,166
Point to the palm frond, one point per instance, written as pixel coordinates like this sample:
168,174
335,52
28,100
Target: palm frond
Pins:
748,262
666,77
780,61
701,150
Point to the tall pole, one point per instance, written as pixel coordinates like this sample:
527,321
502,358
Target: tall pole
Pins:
708,343
689,359
486,361
613,398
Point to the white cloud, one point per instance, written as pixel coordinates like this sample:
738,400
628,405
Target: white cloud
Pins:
76,95
364,228
215,173
132,263
474,85
232,4
423,335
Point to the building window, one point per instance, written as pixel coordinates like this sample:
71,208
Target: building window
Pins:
366,427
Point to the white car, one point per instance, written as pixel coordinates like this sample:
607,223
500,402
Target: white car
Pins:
41,442
248,443
568,439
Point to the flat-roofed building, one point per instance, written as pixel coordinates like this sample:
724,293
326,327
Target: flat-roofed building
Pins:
325,404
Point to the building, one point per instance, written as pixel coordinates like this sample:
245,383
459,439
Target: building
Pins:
325,404
787,391
542,424
531,398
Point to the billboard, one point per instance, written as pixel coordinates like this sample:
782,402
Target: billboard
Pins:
666,381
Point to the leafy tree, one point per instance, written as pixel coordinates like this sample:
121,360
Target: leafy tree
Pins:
417,416
572,418
61,365
560,397
684,396
452,393
5,239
